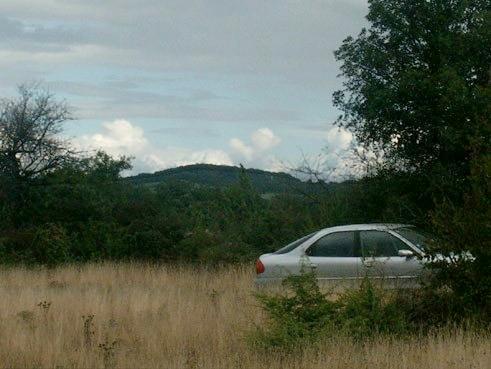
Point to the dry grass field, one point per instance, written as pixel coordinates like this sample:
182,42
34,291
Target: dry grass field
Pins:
135,316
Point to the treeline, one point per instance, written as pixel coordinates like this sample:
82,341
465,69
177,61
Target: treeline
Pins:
85,211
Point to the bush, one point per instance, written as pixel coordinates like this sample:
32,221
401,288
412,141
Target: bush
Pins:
305,315
16,246
370,311
52,245
463,228
48,244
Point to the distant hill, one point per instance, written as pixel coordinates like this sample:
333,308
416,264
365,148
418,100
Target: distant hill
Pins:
224,176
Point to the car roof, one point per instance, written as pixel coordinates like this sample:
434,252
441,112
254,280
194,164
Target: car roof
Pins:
365,227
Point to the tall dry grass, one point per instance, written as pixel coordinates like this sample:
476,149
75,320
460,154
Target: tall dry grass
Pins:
137,316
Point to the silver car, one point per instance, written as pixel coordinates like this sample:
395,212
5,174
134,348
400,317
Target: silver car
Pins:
351,252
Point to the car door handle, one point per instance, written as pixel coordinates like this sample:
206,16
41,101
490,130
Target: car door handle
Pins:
314,266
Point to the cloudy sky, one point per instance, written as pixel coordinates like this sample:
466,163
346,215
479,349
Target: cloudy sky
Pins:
174,82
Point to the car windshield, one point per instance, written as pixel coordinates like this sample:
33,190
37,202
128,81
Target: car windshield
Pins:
416,236
294,244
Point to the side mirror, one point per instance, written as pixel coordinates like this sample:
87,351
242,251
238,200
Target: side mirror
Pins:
406,253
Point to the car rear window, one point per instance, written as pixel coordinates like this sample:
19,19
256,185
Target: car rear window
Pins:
294,244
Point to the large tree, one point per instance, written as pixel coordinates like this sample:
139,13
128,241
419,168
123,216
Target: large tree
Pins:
417,82
418,88
30,145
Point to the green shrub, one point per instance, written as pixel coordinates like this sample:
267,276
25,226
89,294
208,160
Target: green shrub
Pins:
51,245
463,227
370,311
303,314
46,244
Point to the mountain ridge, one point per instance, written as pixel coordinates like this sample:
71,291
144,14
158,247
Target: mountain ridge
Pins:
224,176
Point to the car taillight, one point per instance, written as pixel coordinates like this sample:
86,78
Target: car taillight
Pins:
259,267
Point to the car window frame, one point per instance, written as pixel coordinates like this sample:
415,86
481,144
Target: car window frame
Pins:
301,249
305,239
392,233
356,249
417,251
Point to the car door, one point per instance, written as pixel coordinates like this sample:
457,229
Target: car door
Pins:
335,256
380,256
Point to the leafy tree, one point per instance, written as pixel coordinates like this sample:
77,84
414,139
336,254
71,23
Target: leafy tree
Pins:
418,88
417,82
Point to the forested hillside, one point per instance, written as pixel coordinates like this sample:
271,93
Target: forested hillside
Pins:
223,176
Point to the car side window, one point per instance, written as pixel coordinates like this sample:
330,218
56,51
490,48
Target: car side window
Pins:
339,244
380,244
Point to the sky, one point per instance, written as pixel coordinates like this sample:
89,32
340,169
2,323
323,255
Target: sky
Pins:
175,82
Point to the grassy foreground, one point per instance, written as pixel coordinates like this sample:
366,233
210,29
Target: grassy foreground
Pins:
136,316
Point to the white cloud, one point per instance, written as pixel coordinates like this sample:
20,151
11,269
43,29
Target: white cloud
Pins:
264,139
273,164
175,156
336,162
240,147
122,137
257,153
338,139
118,137
210,156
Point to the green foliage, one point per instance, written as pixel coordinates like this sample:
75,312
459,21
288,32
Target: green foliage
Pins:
222,176
106,217
370,311
431,308
48,244
461,258
52,245
418,89
305,315
417,81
